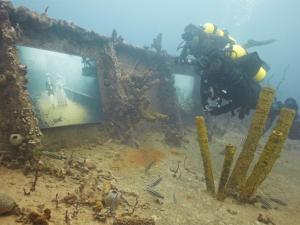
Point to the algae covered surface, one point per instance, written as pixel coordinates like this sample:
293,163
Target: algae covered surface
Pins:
185,199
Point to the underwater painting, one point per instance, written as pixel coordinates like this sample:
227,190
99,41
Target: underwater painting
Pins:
149,112
63,88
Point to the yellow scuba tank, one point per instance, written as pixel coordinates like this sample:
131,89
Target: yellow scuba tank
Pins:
220,33
210,28
260,75
237,51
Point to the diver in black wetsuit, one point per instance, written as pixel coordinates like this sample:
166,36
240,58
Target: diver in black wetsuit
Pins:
229,75
224,79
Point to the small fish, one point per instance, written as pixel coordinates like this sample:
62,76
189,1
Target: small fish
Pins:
278,201
155,182
264,203
149,166
52,155
155,193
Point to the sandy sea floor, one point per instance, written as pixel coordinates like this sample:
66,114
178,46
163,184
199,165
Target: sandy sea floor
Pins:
185,198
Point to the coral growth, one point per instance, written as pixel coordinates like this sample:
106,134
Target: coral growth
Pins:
228,160
255,132
207,163
238,184
18,112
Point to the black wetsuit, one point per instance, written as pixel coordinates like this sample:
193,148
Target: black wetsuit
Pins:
231,81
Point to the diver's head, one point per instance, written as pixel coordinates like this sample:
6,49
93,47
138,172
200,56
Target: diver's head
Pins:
189,32
291,103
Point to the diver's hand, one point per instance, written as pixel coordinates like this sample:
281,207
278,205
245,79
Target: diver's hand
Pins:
206,108
209,109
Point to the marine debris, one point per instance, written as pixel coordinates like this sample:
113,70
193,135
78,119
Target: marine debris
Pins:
239,185
265,220
7,204
36,175
40,219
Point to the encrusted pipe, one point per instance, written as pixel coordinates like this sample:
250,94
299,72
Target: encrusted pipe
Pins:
206,158
239,173
270,154
228,159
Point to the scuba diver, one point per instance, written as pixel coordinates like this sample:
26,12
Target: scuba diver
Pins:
289,103
201,40
230,75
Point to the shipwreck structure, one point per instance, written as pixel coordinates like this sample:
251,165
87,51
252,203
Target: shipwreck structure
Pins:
136,84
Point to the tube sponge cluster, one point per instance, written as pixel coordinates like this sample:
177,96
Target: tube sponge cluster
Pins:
255,132
264,165
238,183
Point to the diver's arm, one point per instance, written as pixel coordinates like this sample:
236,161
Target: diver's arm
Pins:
184,53
253,43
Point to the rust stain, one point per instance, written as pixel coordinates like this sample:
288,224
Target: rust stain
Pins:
175,152
143,157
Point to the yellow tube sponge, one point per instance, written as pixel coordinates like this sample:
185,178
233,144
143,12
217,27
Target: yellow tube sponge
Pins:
206,158
270,154
285,121
228,159
264,165
255,132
